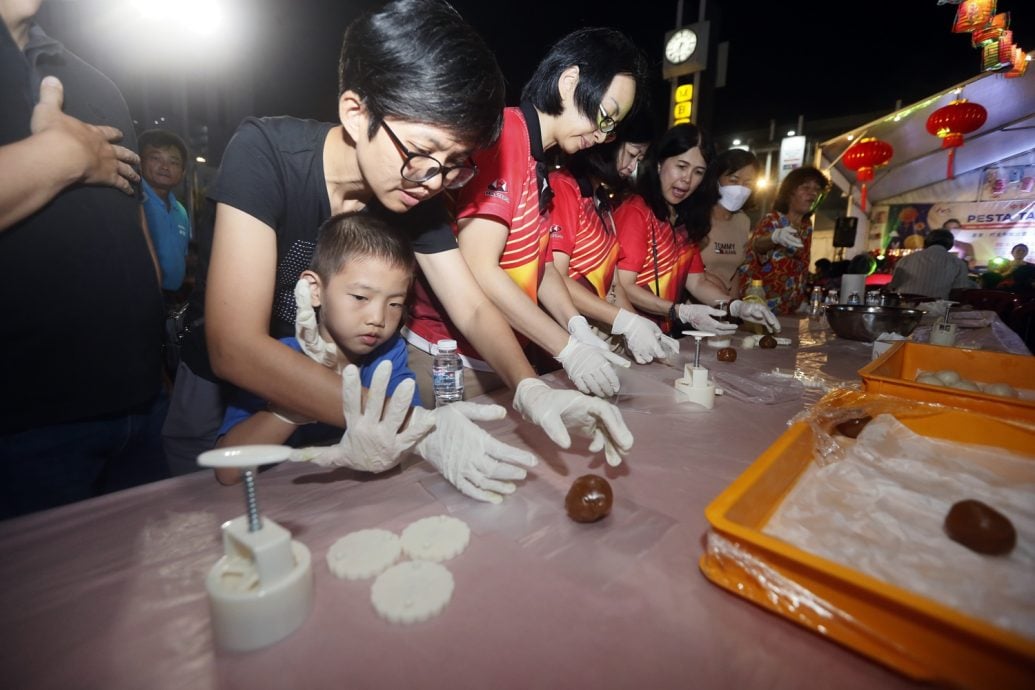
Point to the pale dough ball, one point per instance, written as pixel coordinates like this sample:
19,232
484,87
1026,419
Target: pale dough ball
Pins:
948,376
966,385
929,379
1003,389
436,538
363,554
412,591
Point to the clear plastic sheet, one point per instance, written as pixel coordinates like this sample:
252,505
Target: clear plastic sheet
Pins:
762,387
593,554
739,569
880,509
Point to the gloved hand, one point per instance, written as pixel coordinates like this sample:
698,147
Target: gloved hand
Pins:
580,329
700,316
755,312
670,345
557,411
642,336
590,368
788,237
307,331
465,454
370,443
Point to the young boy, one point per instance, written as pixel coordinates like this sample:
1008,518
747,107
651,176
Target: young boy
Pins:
359,277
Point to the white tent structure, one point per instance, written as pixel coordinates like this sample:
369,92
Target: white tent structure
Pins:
994,184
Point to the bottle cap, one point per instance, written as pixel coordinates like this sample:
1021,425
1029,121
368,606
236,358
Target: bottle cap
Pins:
755,282
447,345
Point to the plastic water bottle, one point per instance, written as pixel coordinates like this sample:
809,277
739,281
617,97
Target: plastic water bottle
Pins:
756,293
447,373
816,302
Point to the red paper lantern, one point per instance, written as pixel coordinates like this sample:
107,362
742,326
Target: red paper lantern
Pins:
949,123
865,155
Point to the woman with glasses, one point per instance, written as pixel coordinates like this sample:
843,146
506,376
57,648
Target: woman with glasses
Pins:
779,247
403,136
580,90
584,244
661,258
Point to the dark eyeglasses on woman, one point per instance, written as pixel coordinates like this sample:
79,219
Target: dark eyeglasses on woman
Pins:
419,167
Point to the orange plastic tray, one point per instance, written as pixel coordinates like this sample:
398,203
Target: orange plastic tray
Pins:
893,373
913,634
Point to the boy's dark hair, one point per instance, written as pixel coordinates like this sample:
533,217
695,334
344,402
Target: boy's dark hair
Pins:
601,54
676,140
162,139
941,237
348,236
795,179
700,204
418,60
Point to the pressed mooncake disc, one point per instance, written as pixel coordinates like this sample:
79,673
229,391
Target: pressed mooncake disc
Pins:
412,591
363,554
435,538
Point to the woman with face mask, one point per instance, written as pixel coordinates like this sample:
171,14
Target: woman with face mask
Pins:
717,210
661,249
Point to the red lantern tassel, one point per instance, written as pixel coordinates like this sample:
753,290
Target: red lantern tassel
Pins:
862,198
952,159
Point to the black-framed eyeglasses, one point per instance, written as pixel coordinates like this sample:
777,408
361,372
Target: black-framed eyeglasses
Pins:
420,167
605,123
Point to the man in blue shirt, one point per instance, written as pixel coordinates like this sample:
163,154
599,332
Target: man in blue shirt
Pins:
163,159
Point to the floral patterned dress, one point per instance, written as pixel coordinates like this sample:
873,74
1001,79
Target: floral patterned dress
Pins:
784,272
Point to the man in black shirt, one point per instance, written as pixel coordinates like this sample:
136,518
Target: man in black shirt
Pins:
82,308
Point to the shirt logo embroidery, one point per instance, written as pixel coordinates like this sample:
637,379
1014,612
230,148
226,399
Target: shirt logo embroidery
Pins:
725,248
498,189
555,229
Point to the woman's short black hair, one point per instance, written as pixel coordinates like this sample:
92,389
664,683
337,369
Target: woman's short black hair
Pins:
601,54
678,139
419,60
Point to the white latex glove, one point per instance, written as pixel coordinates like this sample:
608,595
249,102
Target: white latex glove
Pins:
370,443
590,368
307,331
670,345
756,313
642,336
558,411
465,454
788,237
579,328
701,317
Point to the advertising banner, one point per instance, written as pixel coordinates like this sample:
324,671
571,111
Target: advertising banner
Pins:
992,228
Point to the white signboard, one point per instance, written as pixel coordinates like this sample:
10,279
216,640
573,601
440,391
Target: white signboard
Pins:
792,155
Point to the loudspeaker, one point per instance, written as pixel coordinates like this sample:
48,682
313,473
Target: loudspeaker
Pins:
844,231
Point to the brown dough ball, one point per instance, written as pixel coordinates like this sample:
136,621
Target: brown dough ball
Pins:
980,528
588,499
767,342
852,427
726,354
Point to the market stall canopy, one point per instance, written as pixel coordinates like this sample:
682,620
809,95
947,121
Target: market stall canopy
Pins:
919,161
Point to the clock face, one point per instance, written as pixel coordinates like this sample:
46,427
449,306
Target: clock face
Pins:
680,46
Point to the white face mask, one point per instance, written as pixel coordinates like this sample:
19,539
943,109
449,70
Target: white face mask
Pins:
732,197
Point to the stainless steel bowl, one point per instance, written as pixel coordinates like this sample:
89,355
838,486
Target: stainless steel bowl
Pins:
857,322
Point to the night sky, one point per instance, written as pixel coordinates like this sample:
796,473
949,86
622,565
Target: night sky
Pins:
786,58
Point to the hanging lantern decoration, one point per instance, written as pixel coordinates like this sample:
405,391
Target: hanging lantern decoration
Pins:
863,156
951,122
